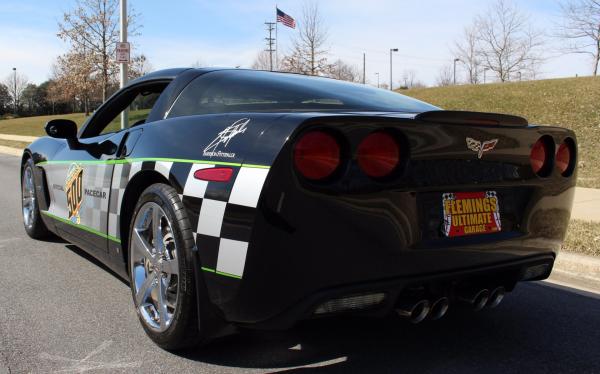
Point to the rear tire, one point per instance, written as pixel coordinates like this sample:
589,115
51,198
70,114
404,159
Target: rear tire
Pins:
32,219
163,283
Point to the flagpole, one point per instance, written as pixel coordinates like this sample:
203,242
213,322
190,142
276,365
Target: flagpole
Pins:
276,42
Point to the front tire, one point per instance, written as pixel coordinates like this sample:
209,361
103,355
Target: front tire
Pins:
32,220
163,283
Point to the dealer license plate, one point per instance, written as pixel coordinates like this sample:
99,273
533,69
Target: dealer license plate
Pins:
471,213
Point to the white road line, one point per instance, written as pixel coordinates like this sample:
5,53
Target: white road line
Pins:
85,364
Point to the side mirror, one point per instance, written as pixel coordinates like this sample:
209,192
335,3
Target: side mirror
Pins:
61,129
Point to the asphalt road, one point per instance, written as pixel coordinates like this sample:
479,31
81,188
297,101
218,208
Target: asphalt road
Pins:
61,311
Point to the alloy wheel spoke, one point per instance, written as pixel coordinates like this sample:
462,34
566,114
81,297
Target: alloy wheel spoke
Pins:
157,229
162,303
142,245
145,288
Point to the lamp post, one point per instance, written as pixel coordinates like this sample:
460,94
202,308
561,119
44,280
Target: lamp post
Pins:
123,39
15,91
391,50
377,74
455,61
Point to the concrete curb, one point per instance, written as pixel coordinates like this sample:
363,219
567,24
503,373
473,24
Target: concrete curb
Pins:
577,265
18,138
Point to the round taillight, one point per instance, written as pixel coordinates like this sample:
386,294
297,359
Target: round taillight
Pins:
316,155
564,157
539,157
378,154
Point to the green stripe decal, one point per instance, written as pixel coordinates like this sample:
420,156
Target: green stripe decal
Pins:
82,227
142,159
209,270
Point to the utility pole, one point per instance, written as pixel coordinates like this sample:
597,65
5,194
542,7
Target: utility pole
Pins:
391,50
124,113
270,42
364,67
15,91
455,61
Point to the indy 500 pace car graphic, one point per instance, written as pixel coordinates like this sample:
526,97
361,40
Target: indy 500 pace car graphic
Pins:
258,199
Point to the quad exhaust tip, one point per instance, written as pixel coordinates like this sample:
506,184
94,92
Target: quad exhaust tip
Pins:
439,308
414,311
496,297
478,299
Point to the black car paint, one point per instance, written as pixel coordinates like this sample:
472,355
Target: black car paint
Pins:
307,238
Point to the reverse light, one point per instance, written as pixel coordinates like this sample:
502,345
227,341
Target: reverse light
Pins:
378,154
218,174
539,157
565,157
317,155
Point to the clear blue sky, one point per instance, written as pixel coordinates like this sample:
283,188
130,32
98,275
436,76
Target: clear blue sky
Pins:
231,33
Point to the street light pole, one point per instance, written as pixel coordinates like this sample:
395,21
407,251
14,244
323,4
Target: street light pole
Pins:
377,74
15,91
391,50
455,61
364,67
124,113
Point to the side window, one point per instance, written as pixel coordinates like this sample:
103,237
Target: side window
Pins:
137,112
137,102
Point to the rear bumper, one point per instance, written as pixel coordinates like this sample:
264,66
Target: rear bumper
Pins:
447,283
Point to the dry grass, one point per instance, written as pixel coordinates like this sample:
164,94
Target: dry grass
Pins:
573,103
583,237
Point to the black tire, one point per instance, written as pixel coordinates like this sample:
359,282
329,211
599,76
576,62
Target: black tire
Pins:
183,331
35,228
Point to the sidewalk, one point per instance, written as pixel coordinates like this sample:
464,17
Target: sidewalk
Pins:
586,205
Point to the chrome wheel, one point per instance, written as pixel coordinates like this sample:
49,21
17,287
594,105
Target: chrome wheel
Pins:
28,193
154,268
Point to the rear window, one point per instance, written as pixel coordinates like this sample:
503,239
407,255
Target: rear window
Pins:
257,91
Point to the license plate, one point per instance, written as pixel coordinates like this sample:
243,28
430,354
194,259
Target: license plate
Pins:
471,213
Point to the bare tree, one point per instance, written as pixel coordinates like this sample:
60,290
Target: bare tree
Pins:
445,76
75,80
92,28
139,66
507,40
262,61
16,84
409,78
309,55
342,71
581,28
467,50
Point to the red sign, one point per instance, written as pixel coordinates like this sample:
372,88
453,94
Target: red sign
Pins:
469,213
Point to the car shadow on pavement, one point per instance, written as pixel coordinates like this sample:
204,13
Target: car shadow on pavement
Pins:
538,328
82,253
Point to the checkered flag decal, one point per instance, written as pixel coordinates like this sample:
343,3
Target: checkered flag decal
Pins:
221,214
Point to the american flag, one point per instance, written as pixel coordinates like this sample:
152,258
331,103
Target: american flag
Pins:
285,19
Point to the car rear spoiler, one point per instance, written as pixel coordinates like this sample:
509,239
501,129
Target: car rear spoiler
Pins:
471,118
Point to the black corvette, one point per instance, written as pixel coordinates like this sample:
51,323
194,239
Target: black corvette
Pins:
258,199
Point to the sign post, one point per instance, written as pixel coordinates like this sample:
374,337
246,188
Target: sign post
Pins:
123,55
